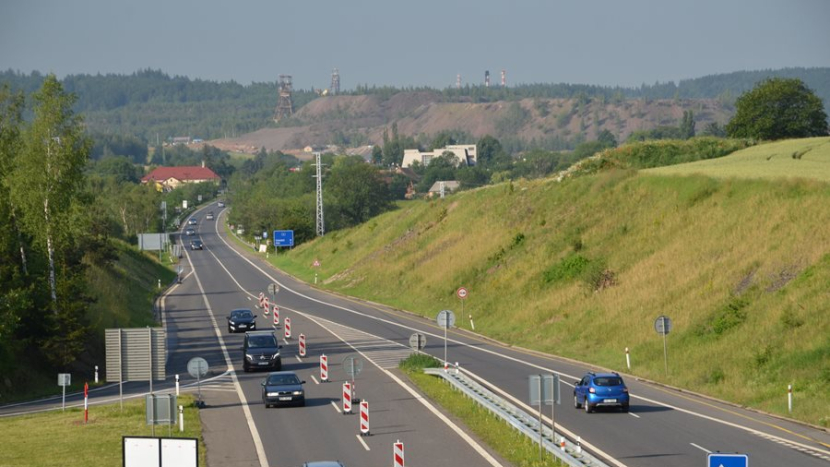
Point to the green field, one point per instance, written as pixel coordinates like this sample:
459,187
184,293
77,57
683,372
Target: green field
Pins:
801,158
59,438
583,267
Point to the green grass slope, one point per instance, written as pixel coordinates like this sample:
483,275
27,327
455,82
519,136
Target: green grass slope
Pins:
582,268
799,158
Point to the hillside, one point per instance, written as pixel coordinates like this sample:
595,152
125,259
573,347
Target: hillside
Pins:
539,122
583,267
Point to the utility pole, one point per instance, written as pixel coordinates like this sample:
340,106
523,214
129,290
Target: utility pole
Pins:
321,230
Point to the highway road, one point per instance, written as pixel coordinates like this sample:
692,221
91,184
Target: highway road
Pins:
665,426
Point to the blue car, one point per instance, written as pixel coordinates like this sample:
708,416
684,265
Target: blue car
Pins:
601,390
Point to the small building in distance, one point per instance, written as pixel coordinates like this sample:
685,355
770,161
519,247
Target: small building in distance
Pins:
170,178
465,154
447,186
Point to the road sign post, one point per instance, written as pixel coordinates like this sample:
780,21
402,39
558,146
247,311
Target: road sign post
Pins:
445,319
663,326
198,367
462,293
64,380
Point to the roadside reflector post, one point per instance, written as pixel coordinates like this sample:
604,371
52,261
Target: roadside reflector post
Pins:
397,454
579,445
627,359
790,398
456,367
86,403
96,374
287,328
181,418
324,368
177,385
347,398
364,418
302,345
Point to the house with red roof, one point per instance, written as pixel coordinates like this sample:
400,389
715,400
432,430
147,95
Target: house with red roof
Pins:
169,178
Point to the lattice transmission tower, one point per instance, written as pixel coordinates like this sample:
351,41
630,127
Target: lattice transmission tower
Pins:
335,82
321,229
284,106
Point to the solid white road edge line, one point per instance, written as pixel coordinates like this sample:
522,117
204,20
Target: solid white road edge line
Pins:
701,448
365,446
517,360
260,450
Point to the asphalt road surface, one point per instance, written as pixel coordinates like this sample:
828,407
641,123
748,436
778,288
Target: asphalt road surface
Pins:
665,427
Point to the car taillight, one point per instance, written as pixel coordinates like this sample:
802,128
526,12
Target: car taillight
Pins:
625,390
592,390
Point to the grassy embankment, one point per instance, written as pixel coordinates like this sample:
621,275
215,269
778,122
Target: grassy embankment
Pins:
508,442
582,268
61,438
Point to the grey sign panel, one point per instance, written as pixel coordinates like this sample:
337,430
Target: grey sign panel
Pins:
152,241
161,409
549,387
417,341
352,366
662,325
445,319
197,367
129,354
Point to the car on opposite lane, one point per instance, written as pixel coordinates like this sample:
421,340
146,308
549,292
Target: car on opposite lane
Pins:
283,388
601,390
261,350
196,245
241,319
189,232
209,216
221,204
192,221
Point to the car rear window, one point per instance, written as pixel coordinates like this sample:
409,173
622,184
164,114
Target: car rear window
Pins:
608,381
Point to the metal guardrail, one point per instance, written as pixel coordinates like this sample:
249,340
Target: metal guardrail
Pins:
562,448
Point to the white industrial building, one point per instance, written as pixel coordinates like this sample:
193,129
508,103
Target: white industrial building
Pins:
464,153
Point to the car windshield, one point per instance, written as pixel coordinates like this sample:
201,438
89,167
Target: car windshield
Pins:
242,314
608,381
279,380
262,341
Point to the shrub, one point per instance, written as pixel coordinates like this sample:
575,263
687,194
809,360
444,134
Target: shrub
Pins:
570,267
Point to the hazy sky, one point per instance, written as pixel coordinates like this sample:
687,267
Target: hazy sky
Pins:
417,42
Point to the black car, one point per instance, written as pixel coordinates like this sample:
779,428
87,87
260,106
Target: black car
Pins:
261,350
283,388
189,232
241,319
196,245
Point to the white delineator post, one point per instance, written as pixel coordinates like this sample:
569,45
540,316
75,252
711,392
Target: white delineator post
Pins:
790,398
397,454
364,418
96,374
86,403
177,385
287,328
181,418
302,345
627,359
324,368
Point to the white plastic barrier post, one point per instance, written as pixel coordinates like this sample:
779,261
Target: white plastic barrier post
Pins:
397,454
96,374
287,328
347,398
177,385
627,359
790,397
324,368
181,418
302,345
364,418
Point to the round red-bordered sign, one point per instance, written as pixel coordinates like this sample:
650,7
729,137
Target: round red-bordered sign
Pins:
461,292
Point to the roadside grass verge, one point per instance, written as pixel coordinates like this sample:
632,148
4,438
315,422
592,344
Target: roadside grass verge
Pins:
59,438
509,443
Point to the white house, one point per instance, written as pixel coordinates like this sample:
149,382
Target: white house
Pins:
464,153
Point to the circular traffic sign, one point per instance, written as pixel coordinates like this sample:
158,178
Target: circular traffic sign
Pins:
273,289
352,365
445,319
461,292
417,341
197,367
662,325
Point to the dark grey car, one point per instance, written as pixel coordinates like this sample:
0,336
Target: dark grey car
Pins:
283,388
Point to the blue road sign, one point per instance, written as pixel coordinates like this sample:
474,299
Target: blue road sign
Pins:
283,238
727,460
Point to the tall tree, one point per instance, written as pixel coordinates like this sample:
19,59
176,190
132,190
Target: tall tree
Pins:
687,125
49,171
778,108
